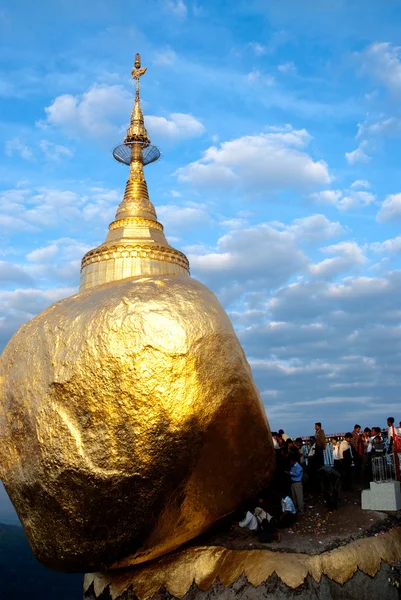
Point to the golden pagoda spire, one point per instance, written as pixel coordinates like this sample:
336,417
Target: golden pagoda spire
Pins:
135,244
137,131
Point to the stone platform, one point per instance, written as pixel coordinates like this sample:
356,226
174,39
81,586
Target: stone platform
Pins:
341,555
382,496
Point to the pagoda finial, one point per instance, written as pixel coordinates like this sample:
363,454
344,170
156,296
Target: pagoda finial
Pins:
136,130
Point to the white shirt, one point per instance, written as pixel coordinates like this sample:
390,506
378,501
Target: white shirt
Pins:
393,430
336,452
250,521
312,450
343,447
287,505
276,445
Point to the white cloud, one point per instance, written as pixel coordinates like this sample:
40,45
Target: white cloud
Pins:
358,155
355,199
97,113
166,57
255,76
17,147
11,223
287,67
45,207
100,205
390,246
11,273
389,126
58,261
178,219
177,8
381,61
315,228
345,200
175,127
257,48
274,160
254,258
20,305
360,183
349,255
54,151
327,196
390,209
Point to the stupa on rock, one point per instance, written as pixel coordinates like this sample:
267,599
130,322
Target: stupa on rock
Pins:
136,244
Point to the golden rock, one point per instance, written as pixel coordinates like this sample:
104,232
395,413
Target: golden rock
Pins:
129,420
130,423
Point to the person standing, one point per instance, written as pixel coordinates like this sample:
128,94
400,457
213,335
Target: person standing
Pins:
288,514
320,446
392,434
357,449
297,492
367,456
283,435
276,444
394,444
301,450
336,454
346,461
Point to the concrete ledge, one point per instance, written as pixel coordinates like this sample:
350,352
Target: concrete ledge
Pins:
382,496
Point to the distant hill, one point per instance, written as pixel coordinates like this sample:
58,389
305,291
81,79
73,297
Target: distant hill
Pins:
22,577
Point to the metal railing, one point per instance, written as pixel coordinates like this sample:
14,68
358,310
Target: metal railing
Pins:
383,468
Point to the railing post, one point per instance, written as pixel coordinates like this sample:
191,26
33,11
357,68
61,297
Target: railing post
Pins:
397,465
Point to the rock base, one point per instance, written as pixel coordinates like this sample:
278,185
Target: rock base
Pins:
361,586
354,571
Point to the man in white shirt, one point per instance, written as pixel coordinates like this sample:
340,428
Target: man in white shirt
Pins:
276,444
250,521
336,454
288,514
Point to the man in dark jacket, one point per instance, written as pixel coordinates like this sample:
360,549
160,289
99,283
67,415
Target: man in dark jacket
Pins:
320,446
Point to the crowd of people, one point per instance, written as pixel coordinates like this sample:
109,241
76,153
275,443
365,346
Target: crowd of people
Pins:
317,465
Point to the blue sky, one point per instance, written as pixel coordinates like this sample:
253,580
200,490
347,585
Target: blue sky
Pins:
279,124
